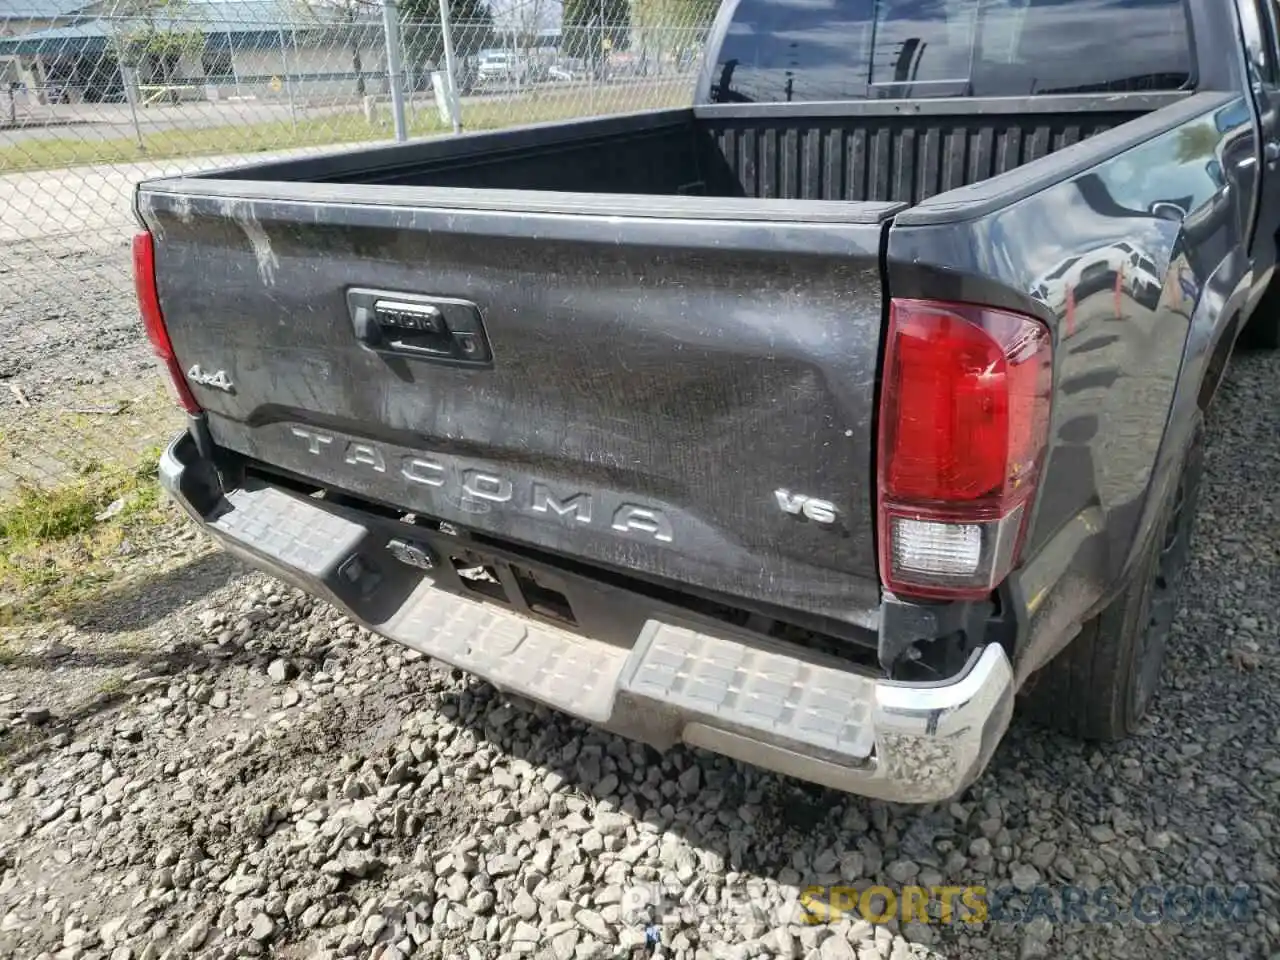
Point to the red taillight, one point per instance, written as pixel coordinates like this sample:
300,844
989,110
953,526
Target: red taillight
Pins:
144,279
964,414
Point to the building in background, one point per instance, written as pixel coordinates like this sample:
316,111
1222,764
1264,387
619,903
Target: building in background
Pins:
20,18
193,50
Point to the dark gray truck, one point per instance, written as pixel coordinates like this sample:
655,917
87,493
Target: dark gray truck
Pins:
807,425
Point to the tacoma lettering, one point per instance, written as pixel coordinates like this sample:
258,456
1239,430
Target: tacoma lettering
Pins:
466,485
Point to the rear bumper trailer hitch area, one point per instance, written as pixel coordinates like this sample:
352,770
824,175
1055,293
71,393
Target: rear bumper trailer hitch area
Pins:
640,668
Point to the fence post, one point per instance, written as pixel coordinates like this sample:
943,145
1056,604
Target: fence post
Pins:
288,82
395,72
129,77
235,72
595,62
455,105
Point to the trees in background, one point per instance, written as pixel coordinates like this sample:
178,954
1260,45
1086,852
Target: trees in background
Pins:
590,29
673,28
472,28
654,29
151,36
354,18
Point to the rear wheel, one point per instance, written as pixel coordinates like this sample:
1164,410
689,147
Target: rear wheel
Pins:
1100,686
1262,332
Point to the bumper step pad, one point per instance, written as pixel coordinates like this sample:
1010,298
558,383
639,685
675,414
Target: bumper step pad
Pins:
753,691
291,530
536,660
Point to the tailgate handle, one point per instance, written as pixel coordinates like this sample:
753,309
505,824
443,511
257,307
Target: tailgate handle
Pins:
440,329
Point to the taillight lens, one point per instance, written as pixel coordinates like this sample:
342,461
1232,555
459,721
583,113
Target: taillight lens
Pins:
144,279
964,417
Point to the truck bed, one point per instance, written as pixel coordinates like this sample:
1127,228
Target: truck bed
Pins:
875,151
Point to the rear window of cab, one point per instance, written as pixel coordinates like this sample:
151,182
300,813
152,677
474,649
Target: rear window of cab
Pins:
795,51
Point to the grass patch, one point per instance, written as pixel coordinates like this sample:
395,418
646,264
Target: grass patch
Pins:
44,448
112,685
40,515
61,545
194,142
337,128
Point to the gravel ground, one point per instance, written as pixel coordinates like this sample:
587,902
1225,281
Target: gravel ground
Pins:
68,309
218,766
77,377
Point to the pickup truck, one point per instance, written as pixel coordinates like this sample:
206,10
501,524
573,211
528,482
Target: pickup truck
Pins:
813,424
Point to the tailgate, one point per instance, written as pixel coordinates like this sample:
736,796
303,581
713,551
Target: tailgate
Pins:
681,389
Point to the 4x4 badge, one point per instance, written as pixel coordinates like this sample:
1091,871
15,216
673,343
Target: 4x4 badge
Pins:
219,380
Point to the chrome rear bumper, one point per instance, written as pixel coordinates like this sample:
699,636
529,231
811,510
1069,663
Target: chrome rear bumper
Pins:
772,705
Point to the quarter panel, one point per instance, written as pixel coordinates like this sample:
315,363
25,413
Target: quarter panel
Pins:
1116,259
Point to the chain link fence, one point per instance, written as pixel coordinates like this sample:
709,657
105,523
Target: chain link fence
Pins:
95,96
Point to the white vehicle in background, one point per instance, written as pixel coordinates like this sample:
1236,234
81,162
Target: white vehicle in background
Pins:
1142,280
501,68
1051,289
567,71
